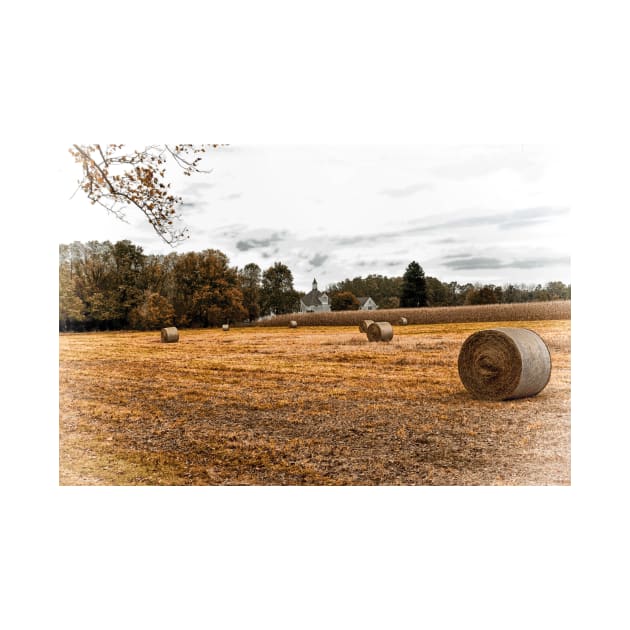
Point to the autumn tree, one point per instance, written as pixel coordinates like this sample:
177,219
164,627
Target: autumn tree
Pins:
117,178
437,293
128,263
379,288
95,282
153,312
344,301
71,307
389,302
413,292
487,294
206,290
157,274
558,290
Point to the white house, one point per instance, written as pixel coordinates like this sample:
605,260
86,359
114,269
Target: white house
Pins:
315,301
367,304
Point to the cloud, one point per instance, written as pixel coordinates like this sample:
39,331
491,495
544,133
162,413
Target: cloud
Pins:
406,191
254,243
447,241
532,263
531,216
231,197
231,231
470,262
523,162
195,188
483,262
456,256
318,260
502,220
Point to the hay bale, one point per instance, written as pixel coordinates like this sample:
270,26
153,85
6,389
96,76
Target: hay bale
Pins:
292,324
169,335
365,324
403,321
504,363
226,327
380,331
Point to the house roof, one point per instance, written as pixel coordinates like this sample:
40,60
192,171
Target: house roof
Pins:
363,300
312,298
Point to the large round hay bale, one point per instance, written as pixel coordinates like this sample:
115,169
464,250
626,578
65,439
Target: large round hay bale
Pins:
226,327
292,324
169,335
364,325
380,331
403,321
504,363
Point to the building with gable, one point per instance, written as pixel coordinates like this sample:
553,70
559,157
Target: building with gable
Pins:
314,301
367,304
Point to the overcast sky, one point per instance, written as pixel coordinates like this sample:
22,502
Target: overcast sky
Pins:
492,214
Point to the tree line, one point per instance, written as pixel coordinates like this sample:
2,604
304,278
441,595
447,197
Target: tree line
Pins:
113,286
414,289
105,286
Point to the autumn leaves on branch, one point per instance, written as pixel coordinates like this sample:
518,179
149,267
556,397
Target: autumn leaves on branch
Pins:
116,178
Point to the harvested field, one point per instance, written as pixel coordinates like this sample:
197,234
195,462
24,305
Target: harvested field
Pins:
308,406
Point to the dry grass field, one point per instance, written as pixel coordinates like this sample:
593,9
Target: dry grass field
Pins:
305,406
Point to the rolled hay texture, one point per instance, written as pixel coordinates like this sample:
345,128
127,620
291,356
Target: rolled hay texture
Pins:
380,331
364,325
504,363
226,327
292,324
402,321
169,335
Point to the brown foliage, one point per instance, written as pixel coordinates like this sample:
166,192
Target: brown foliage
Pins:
116,177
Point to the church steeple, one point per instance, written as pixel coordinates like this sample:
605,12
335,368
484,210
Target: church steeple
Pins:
314,284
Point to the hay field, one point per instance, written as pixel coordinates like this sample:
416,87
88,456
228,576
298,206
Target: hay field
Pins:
304,406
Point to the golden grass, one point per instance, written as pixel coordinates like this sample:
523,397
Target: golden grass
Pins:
310,406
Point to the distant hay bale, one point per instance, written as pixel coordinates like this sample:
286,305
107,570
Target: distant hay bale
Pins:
504,363
365,324
403,321
292,324
226,327
380,331
169,335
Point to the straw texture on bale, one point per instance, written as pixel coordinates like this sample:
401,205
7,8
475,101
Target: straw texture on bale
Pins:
364,325
169,335
402,321
380,331
292,324
504,363
226,327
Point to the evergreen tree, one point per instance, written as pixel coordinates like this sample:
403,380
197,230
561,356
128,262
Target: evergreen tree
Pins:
413,292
